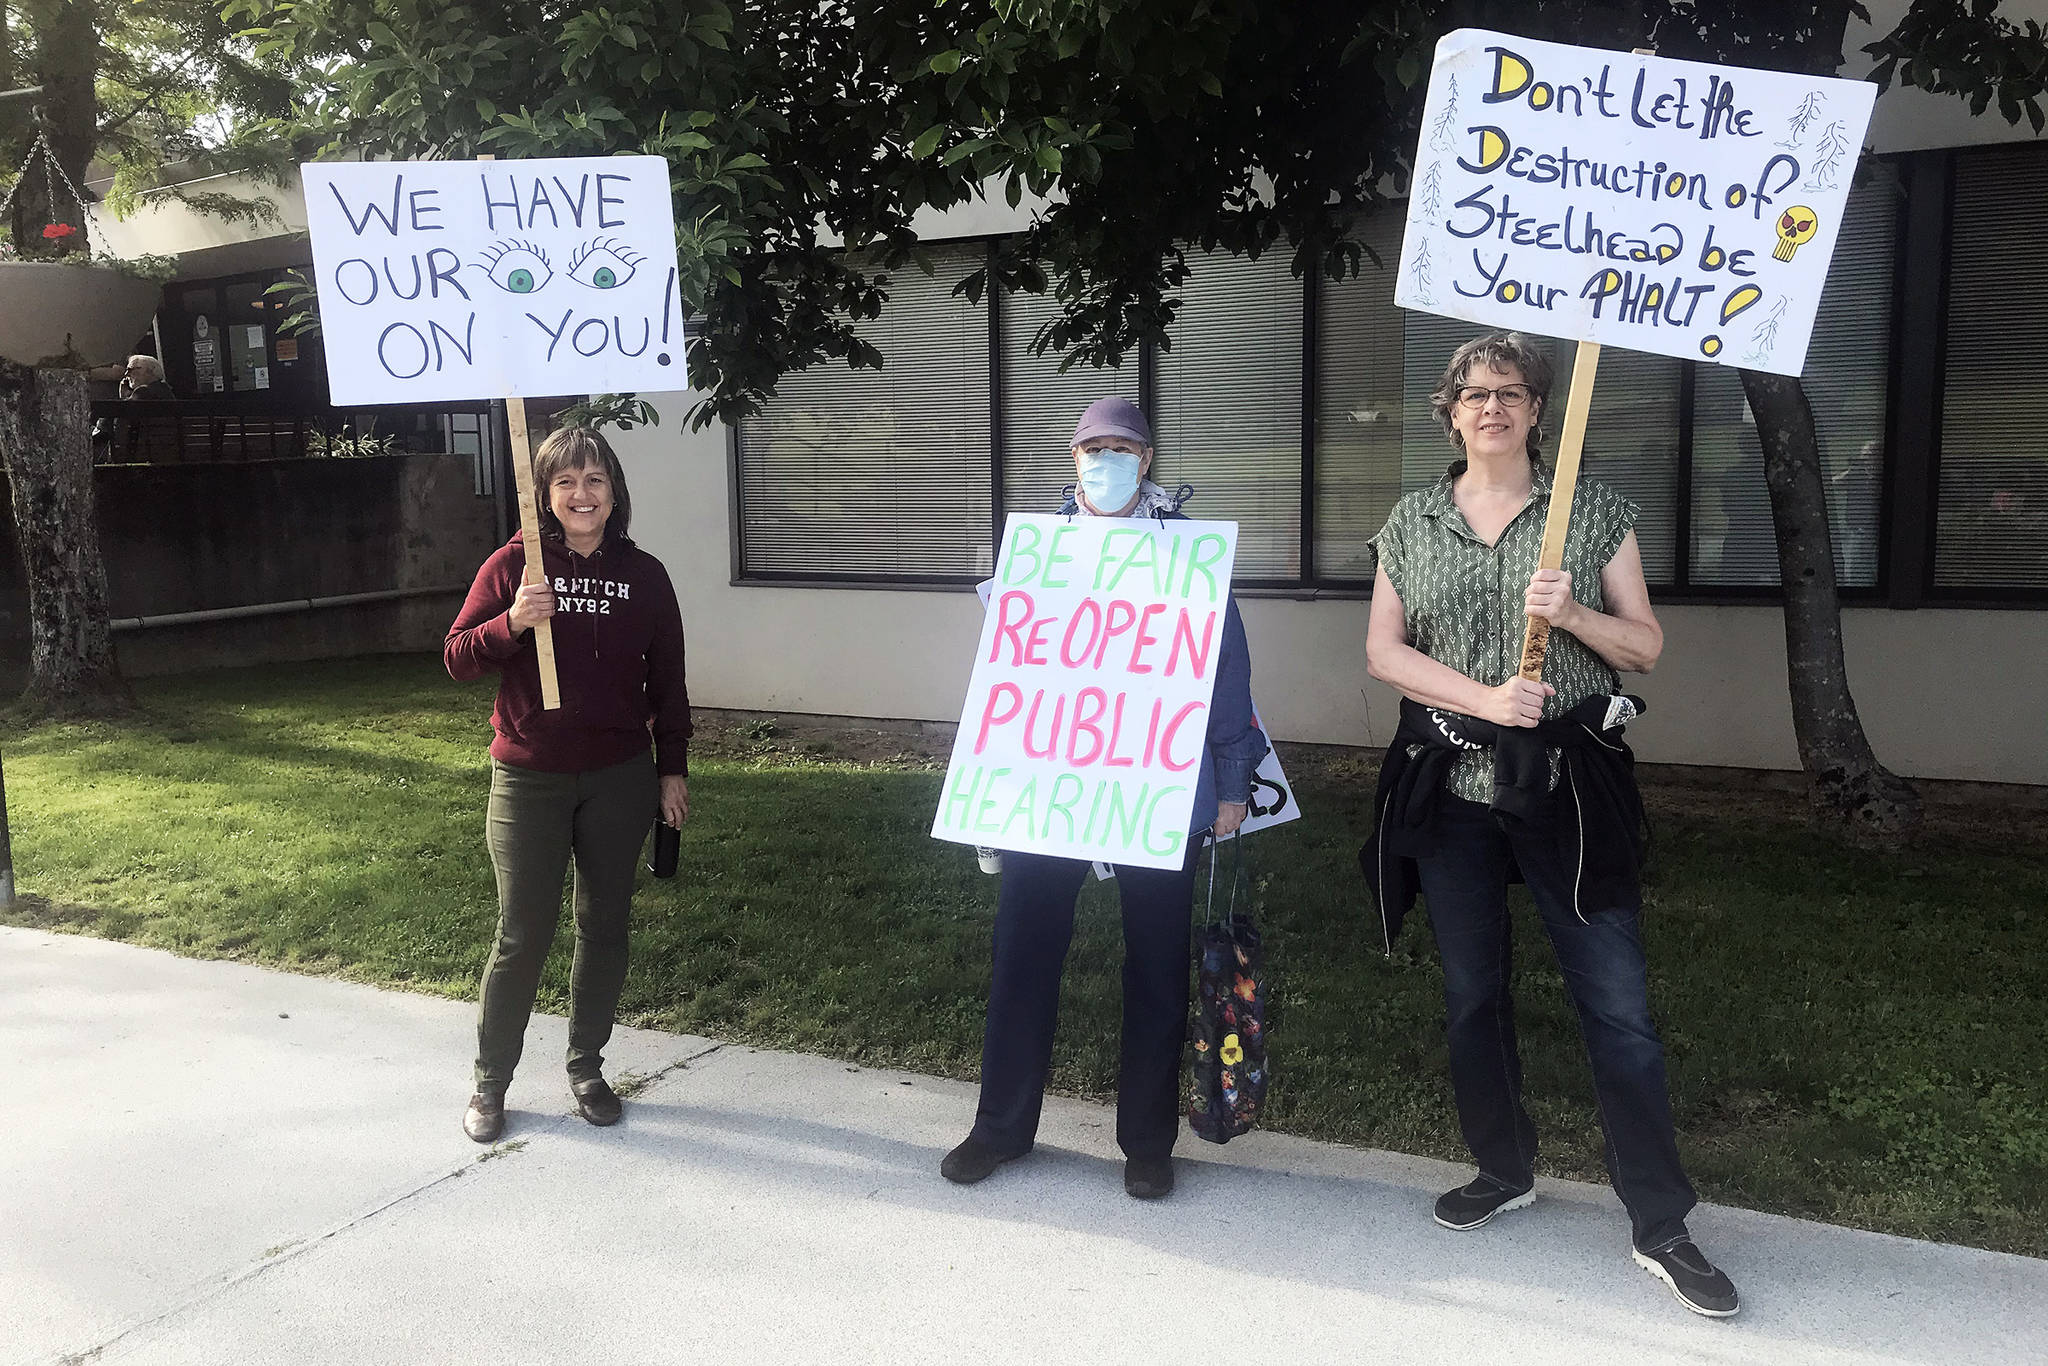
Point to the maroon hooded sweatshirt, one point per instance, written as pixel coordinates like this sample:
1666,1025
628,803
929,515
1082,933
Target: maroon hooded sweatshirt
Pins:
618,657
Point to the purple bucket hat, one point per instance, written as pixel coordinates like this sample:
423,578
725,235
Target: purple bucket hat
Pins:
1113,417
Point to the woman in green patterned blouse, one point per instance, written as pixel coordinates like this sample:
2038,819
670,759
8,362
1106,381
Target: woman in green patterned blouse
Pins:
1457,576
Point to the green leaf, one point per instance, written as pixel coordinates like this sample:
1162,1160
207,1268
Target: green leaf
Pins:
1408,70
1211,84
947,62
1048,158
927,142
965,149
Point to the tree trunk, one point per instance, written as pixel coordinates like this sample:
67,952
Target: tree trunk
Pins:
65,64
1850,788
46,445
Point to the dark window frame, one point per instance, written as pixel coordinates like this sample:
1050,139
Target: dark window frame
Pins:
2007,597
1916,369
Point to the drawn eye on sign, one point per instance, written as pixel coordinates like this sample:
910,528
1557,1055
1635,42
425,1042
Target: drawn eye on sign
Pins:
516,267
603,263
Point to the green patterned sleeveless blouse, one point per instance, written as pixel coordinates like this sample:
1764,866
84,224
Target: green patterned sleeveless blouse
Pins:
1463,599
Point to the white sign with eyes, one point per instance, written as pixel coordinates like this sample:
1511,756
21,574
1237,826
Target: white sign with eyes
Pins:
444,280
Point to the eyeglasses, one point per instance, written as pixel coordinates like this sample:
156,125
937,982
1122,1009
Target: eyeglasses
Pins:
1510,395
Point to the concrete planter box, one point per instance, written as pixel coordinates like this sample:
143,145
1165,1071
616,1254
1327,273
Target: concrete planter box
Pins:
71,316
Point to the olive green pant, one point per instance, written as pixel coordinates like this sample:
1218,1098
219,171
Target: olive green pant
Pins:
536,823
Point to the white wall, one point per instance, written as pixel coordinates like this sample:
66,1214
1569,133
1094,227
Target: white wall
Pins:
1943,693
205,245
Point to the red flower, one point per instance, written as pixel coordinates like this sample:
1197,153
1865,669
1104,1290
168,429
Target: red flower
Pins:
58,231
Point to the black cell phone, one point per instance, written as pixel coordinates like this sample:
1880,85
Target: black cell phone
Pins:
668,843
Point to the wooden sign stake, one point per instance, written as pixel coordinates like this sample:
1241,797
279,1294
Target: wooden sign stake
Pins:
1564,482
1570,443
529,534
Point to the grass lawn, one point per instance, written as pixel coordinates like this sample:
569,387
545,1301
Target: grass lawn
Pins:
1852,1037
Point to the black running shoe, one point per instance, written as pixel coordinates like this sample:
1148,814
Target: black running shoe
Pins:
1698,1283
1469,1206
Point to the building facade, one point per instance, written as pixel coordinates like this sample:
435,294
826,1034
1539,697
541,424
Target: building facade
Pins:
825,552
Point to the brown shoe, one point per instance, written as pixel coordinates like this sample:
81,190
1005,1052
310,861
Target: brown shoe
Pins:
484,1120
596,1099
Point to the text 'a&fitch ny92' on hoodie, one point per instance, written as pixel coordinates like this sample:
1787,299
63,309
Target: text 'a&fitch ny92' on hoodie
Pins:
618,657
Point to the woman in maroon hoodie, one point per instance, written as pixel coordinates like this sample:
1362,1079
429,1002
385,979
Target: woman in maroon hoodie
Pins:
581,781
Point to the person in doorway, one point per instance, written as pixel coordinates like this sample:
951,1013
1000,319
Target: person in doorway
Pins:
143,378
579,783
1112,450
1492,776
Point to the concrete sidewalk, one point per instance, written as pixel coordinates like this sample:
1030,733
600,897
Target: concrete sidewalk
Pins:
206,1162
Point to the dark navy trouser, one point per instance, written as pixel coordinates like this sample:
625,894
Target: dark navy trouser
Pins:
1465,882
1034,926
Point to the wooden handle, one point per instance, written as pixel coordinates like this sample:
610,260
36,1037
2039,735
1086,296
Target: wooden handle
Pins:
1563,484
529,533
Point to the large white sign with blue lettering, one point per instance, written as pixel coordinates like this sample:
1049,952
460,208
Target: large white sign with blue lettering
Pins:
446,280
1676,207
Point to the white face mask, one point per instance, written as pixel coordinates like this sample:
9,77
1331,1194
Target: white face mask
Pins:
1110,479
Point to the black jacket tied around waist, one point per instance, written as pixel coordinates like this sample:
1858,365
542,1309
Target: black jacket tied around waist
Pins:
1595,813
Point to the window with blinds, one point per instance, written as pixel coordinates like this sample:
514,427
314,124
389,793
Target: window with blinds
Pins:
1991,528
1848,368
1377,437
1227,405
1041,405
868,474
1361,393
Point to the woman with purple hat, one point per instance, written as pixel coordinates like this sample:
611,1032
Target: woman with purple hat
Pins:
1035,910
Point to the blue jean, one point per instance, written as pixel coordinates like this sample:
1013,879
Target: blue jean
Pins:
1034,926
1465,883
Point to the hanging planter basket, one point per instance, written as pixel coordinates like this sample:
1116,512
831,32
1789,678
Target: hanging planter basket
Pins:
72,312
53,313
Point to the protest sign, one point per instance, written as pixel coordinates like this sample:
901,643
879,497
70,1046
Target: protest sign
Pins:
446,280
1272,799
443,280
1088,708
1682,208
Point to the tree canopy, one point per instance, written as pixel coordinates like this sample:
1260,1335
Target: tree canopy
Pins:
793,126
135,87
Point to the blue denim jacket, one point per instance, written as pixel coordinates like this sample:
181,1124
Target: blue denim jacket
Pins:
1234,745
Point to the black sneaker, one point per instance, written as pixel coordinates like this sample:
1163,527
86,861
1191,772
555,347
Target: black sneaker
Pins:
1699,1285
972,1161
1148,1178
1471,1205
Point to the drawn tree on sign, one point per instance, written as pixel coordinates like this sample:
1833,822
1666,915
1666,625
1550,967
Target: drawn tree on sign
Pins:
1440,132
1418,274
1430,201
1765,339
1802,119
1827,157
